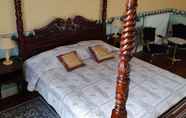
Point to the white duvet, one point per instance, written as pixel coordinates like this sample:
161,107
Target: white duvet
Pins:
89,91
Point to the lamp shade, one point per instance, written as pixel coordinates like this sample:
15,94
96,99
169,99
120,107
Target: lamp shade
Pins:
117,26
7,43
117,23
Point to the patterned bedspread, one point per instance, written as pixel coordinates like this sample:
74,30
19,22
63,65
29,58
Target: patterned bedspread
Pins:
89,91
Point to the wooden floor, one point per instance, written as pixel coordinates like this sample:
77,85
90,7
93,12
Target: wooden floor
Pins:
163,61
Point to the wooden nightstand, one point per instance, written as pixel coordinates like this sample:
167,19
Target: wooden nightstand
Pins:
12,73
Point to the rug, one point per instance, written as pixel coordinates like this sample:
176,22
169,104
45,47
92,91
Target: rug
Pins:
35,108
177,111
38,108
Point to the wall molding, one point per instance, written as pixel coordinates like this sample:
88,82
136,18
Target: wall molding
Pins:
149,13
161,11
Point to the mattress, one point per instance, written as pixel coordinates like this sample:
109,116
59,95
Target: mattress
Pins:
89,91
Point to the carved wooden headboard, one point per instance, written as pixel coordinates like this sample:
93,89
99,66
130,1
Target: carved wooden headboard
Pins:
59,32
62,32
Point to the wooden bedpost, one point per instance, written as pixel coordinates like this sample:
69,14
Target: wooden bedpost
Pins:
104,16
104,10
126,46
19,26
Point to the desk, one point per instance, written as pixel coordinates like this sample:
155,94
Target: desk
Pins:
176,41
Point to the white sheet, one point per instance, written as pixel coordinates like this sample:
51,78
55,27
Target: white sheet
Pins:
89,91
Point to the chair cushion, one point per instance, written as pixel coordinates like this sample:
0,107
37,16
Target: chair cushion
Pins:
149,34
71,60
179,30
101,53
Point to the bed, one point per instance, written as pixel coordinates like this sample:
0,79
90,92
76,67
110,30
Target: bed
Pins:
89,91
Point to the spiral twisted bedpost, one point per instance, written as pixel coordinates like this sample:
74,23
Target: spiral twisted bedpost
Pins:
126,46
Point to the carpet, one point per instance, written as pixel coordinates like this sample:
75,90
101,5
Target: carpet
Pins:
35,108
177,111
38,108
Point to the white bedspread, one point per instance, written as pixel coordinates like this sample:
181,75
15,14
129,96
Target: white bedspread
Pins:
89,91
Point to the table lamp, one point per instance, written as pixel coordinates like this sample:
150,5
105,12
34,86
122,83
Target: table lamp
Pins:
7,44
117,25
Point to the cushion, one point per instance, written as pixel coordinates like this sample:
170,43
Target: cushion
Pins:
82,51
179,30
92,43
71,60
101,53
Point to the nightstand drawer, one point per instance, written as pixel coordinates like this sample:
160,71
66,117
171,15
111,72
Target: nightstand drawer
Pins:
12,77
11,74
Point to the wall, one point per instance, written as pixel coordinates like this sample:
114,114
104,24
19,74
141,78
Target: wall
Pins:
116,8
39,12
159,4
7,23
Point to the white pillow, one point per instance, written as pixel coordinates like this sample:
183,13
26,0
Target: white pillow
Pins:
43,62
81,50
92,43
48,60
86,44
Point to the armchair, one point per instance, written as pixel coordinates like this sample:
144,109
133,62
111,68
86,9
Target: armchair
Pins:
149,46
179,30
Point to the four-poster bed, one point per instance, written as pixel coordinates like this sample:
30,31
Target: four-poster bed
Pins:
76,29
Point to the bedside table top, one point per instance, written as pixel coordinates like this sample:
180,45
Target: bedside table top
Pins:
4,69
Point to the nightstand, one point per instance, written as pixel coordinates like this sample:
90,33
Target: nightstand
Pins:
11,73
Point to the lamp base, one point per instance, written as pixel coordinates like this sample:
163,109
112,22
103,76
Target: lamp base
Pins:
7,62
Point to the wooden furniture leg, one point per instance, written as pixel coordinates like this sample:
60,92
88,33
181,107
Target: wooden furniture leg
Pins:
126,46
